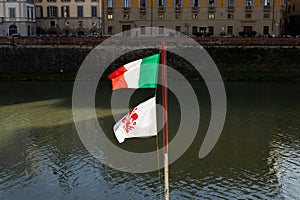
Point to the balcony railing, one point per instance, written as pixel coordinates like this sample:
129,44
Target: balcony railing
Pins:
178,9
110,9
211,8
267,8
142,9
195,9
248,8
230,8
126,9
161,9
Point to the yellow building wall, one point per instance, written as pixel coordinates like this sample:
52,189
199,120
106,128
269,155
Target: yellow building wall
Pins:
118,4
154,3
276,3
186,3
221,3
257,2
169,3
239,3
134,3
202,3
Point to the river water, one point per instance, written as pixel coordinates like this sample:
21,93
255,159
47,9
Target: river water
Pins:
256,157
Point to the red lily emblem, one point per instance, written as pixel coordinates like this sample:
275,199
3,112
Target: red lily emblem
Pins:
129,121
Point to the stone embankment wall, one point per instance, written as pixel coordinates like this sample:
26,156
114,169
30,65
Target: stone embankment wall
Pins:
54,55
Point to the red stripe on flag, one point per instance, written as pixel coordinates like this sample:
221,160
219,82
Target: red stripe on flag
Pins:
120,71
119,82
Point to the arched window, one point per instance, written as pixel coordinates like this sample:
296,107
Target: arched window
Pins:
13,29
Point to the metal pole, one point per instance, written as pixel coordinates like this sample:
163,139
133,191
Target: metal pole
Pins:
164,95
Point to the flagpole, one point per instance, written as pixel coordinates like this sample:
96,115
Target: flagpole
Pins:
165,129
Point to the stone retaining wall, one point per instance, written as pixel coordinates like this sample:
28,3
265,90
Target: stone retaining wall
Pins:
51,55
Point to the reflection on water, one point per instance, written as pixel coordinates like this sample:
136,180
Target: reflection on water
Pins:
257,156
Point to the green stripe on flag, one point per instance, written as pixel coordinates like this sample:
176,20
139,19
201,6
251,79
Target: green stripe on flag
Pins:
148,72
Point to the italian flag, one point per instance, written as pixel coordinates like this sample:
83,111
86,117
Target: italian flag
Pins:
141,73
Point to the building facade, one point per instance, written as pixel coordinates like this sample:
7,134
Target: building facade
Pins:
192,17
197,17
79,17
293,17
17,17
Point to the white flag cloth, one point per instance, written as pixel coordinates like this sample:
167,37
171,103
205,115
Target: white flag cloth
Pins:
139,122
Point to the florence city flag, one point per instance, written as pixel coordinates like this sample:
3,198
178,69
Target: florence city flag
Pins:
139,122
141,73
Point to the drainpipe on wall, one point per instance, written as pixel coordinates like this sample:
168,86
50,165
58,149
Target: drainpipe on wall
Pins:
100,18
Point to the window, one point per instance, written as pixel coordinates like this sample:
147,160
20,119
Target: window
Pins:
142,16
65,0
211,15
126,4
229,15
266,15
195,16
143,30
267,3
38,12
51,0
52,23
194,30
65,12
142,3
79,0
109,30
110,16
52,11
203,30
126,16
161,16
161,3
79,11
109,3
12,12
195,3
248,2
177,3
178,29
211,30
32,12
266,30
177,16
28,12
160,30
94,0
211,3
94,11
229,30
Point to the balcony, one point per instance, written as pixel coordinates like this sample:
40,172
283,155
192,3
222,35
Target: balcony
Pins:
195,9
126,9
230,8
161,9
211,8
248,8
110,9
142,9
267,8
178,9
